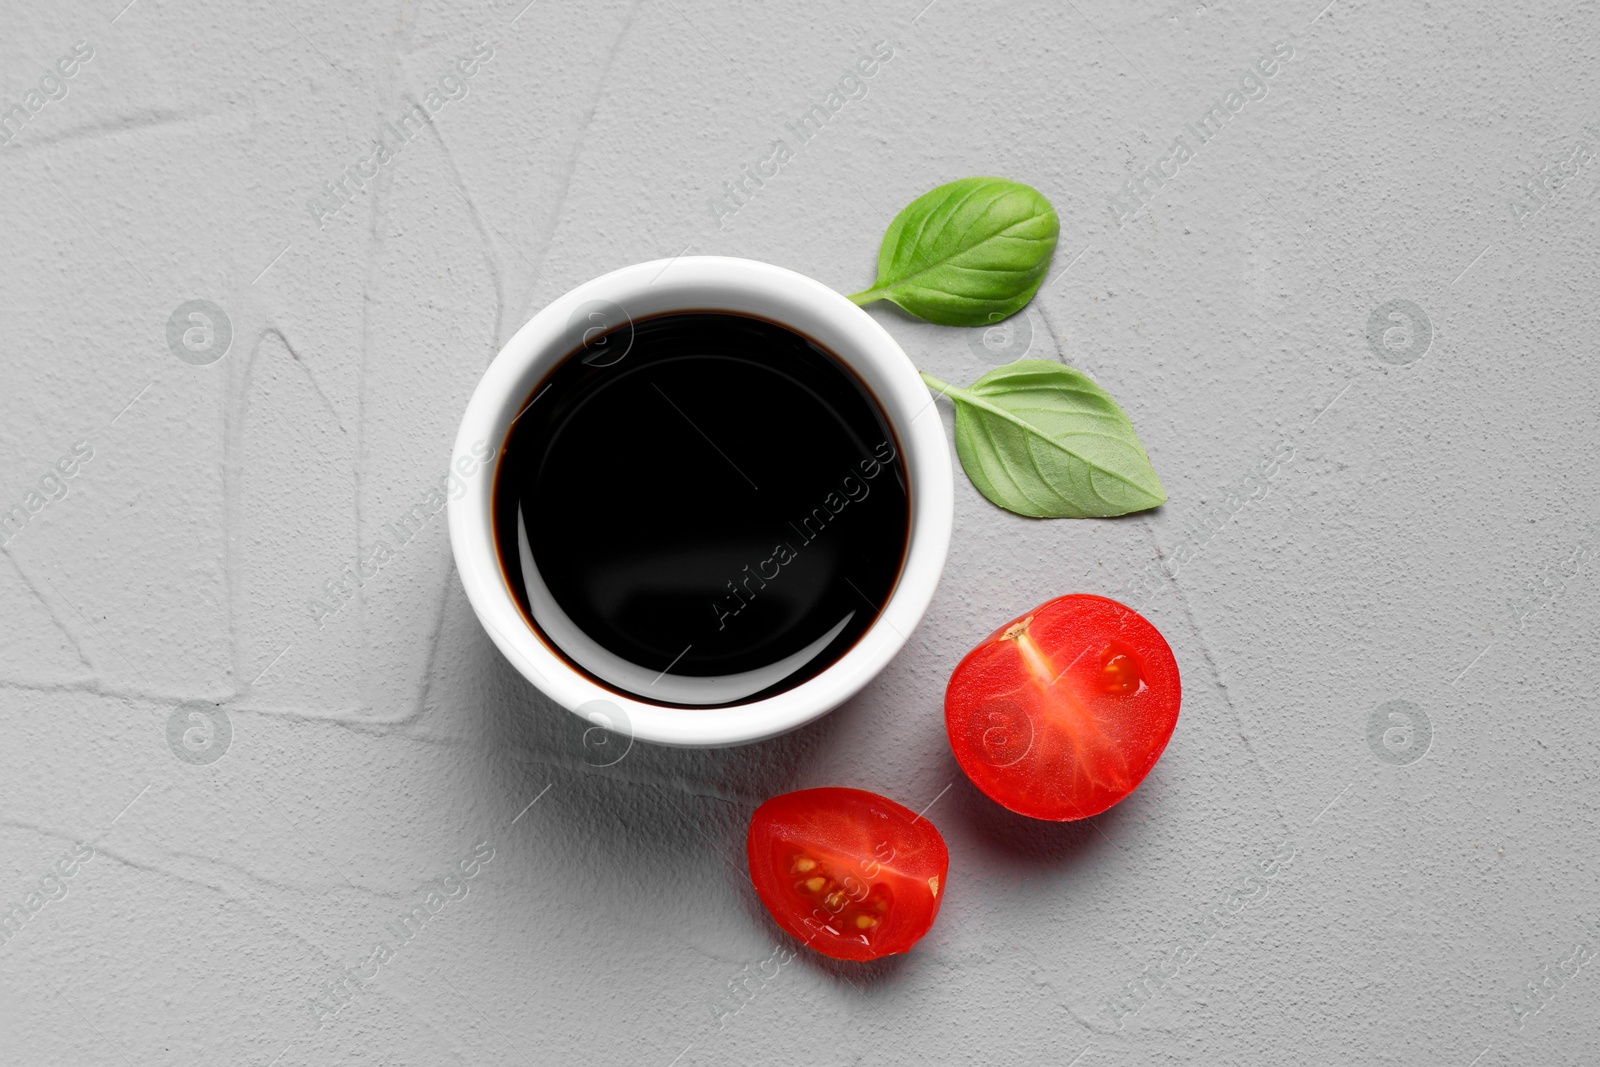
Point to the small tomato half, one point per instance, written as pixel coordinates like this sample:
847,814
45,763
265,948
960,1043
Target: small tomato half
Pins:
1062,712
848,873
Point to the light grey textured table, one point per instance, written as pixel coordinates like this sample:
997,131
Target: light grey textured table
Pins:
1424,881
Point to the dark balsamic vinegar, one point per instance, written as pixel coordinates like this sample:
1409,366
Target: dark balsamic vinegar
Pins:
717,500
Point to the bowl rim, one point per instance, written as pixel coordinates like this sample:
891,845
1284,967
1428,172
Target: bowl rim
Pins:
704,283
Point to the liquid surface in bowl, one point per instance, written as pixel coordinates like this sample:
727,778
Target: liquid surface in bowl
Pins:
701,508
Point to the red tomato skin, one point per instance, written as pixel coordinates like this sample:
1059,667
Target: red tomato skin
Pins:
860,843
1036,760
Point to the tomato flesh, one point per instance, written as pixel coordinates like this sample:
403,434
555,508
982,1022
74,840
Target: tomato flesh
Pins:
1062,712
848,873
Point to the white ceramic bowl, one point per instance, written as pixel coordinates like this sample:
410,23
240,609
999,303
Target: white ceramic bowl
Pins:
715,283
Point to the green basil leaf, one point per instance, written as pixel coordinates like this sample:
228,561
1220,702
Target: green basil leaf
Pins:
966,254
1042,439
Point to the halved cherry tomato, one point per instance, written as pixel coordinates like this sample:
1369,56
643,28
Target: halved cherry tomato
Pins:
849,873
1061,713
